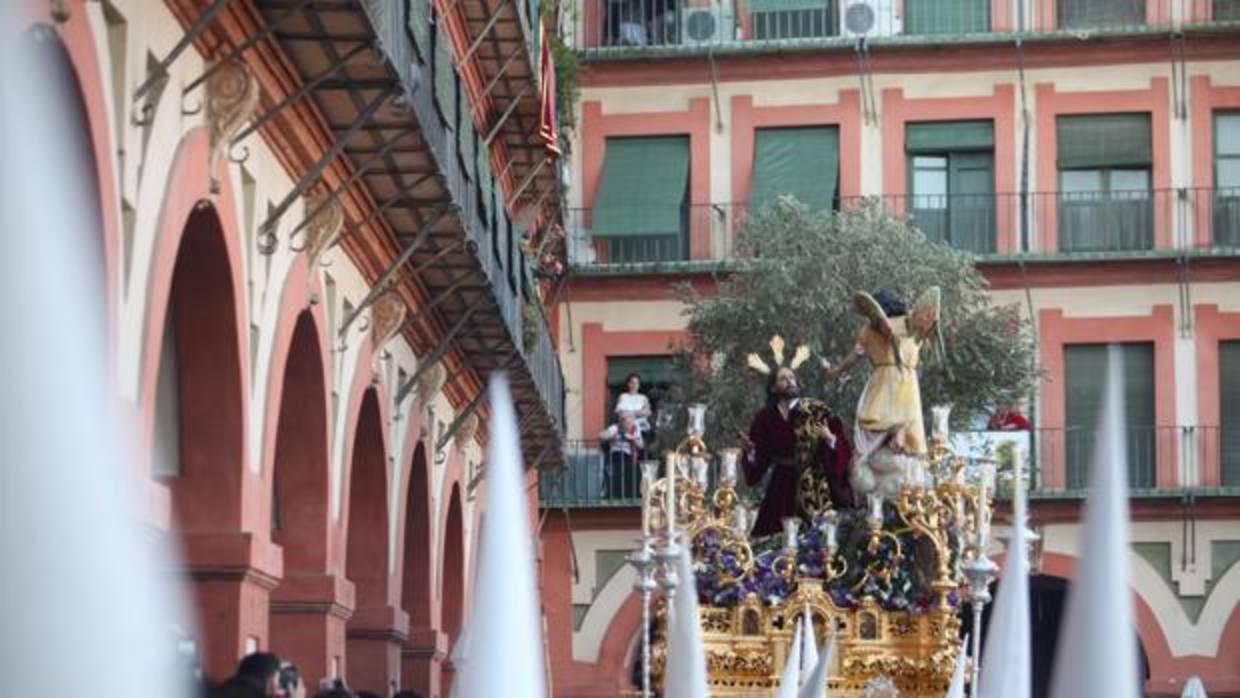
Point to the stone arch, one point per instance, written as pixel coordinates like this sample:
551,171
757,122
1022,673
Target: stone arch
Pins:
366,554
416,557
453,561
201,312
76,64
69,108
299,473
187,199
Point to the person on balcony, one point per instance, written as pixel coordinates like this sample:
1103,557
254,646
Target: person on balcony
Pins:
623,445
634,403
791,437
1009,418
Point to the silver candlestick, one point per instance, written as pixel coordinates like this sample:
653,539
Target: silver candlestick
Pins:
979,572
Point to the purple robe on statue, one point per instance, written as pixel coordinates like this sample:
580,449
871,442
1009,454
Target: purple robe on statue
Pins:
775,446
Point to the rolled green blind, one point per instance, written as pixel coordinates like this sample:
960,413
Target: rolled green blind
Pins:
786,5
651,369
643,187
801,162
949,136
1102,141
946,16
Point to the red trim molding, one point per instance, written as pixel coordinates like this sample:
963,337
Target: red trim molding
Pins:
597,345
597,127
1212,327
1154,101
1206,100
1057,331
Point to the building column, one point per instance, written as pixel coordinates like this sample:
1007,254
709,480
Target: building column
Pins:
231,576
422,660
375,640
308,618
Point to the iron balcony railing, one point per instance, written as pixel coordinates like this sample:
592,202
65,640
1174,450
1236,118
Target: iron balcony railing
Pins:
1162,460
607,26
985,224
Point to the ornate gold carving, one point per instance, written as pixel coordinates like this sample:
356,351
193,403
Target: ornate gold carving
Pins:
232,97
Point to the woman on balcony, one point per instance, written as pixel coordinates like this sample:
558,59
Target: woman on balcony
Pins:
634,403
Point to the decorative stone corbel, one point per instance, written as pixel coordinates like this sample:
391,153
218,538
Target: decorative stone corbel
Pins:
466,432
322,230
388,313
232,97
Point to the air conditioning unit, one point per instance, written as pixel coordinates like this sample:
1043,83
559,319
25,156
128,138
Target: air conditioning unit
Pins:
869,18
711,23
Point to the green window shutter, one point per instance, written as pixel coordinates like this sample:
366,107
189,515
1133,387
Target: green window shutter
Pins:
801,162
1104,141
1229,411
971,204
943,136
419,23
946,16
1085,371
643,187
651,369
786,5
1101,13
445,78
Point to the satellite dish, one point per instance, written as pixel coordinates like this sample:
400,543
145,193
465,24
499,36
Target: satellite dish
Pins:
859,18
701,26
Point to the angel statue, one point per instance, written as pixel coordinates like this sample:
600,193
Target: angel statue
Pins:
889,437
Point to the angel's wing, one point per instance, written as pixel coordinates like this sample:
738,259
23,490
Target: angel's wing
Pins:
925,312
869,308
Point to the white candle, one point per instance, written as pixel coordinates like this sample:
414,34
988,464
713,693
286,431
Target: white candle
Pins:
791,525
700,472
650,470
740,520
727,466
876,509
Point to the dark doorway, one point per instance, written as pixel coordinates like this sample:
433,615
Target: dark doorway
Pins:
1047,599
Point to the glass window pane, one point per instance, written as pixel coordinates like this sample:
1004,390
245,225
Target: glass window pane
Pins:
1130,184
1227,134
930,184
1075,181
1228,173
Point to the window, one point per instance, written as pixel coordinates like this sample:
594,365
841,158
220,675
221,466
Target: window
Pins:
1229,412
1104,182
641,211
1227,179
792,19
946,16
951,172
640,22
1074,14
1085,371
1226,10
800,162
655,373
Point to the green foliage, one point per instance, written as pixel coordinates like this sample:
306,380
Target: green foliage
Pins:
798,272
568,68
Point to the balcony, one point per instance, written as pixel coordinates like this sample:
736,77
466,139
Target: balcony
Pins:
1055,225
620,28
437,192
1058,460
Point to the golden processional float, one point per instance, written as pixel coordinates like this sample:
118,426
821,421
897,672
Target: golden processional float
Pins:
888,581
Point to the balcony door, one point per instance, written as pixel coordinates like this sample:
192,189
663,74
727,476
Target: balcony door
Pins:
952,180
1085,372
1105,164
1226,228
